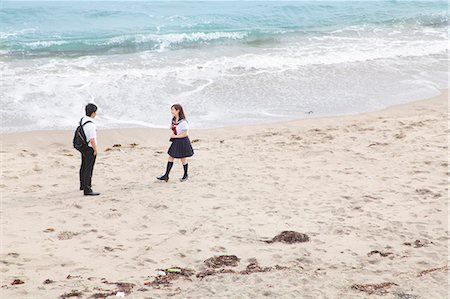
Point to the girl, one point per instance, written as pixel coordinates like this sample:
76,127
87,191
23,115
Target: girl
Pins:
181,147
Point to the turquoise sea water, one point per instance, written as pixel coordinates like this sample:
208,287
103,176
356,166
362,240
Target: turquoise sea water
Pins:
227,62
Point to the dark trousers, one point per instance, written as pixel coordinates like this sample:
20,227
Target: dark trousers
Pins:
86,169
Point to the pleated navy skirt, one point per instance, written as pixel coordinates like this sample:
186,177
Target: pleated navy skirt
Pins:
180,148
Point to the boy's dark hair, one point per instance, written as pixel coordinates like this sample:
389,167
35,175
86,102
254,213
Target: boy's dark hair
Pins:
90,108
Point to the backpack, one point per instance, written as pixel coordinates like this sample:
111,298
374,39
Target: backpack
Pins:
79,138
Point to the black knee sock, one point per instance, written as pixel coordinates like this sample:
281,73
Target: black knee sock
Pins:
185,167
169,167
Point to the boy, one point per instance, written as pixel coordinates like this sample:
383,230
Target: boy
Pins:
88,157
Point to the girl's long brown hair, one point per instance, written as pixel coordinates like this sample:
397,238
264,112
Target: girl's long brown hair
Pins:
180,109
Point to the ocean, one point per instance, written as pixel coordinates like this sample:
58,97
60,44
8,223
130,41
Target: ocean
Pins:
226,62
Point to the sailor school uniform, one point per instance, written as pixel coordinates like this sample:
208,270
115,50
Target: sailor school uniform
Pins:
180,147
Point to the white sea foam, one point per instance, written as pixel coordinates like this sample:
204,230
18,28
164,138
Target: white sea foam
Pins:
45,44
253,87
14,34
164,41
349,71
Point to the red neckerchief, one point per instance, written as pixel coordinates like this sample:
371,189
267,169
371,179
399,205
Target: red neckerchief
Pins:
174,126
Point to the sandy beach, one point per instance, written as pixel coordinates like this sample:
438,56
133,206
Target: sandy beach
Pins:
370,191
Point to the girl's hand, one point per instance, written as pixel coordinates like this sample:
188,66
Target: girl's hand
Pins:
172,135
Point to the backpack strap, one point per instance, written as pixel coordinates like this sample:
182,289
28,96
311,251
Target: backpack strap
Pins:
82,129
84,123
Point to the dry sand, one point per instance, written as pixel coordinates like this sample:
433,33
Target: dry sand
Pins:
357,184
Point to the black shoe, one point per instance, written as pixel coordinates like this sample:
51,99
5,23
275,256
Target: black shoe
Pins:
91,193
184,178
163,178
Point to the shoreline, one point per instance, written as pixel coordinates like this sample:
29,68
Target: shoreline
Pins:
114,131
369,190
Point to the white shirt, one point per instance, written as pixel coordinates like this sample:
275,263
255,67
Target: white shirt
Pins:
183,126
90,129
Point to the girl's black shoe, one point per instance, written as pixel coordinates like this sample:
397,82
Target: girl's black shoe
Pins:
184,178
163,178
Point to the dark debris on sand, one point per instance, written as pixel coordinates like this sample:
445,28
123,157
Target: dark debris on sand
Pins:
211,272
374,289
381,253
443,269
289,237
48,281
417,243
17,281
166,279
125,287
252,267
71,294
222,261
102,295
